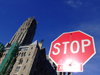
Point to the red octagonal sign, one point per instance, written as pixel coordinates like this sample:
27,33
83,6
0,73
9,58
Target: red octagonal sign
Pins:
70,51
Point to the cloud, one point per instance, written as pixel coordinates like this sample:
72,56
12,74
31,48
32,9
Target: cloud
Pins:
73,3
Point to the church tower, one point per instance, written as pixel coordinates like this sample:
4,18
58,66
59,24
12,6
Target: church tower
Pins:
22,57
25,33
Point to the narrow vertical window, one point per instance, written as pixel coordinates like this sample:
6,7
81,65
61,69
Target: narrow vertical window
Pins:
27,60
24,68
22,54
29,54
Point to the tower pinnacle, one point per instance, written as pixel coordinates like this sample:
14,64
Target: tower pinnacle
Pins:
25,33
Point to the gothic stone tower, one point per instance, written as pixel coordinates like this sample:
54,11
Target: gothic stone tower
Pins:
25,33
29,58
26,58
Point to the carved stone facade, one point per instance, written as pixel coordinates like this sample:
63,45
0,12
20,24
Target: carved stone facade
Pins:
30,58
25,33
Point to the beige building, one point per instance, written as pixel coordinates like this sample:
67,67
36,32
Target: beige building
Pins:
30,58
25,33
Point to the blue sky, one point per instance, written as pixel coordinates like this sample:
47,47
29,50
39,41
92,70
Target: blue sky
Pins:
54,18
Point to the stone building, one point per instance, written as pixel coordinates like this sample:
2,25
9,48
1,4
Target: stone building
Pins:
25,33
22,57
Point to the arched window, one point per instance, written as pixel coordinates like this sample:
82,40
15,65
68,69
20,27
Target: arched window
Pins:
19,54
24,54
20,61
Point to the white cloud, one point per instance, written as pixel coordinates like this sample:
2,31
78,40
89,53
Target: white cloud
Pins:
73,3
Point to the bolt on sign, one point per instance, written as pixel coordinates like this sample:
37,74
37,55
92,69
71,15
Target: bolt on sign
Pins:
70,51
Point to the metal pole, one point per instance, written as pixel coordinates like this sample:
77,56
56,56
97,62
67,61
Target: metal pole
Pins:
69,73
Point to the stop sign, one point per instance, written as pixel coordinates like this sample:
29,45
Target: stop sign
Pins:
72,50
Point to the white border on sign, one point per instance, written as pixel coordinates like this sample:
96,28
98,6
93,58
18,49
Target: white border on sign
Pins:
73,32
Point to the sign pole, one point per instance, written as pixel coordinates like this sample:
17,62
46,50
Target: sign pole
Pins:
69,73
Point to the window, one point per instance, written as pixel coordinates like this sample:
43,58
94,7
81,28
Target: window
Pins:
20,61
27,60
31,47
24,68
19,54
17,69
29,53
24,54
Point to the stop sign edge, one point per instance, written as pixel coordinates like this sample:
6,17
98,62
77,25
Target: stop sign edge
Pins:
93,47
93,53
51,45
74,32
